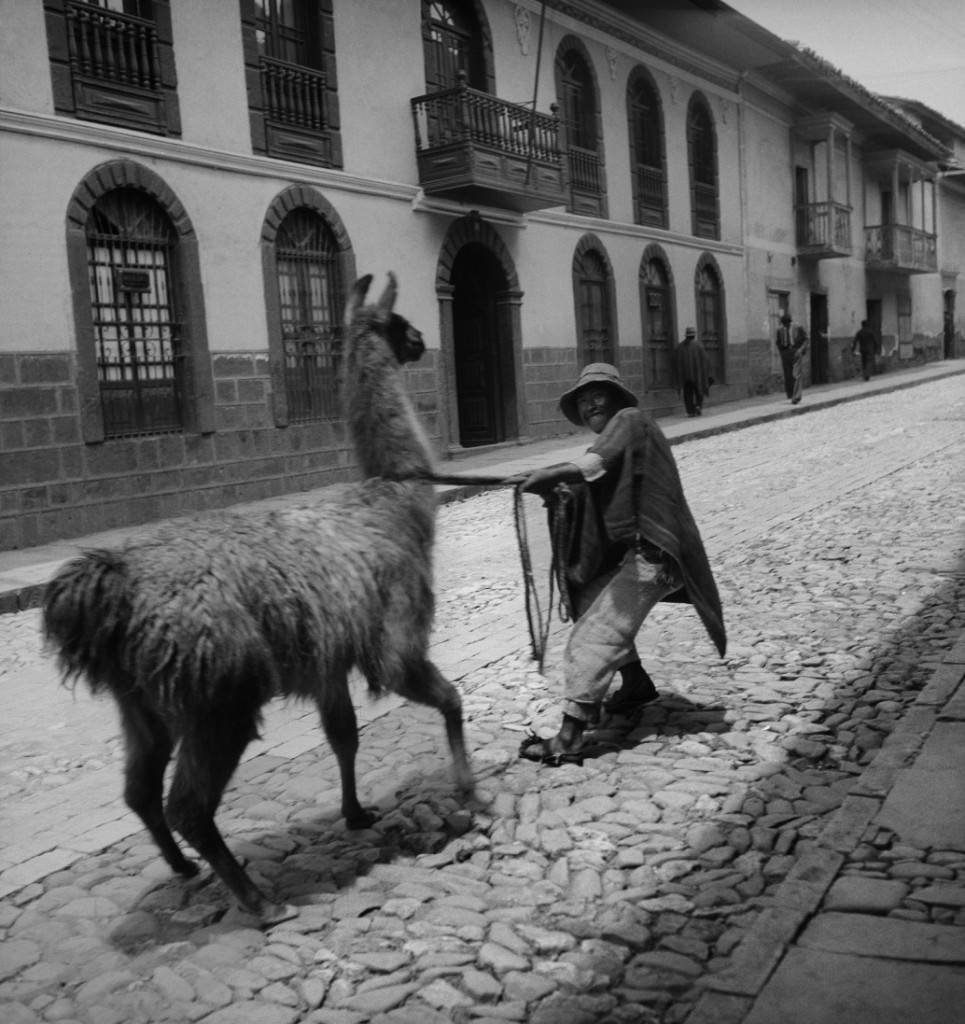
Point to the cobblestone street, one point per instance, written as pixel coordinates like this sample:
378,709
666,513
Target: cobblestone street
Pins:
614,891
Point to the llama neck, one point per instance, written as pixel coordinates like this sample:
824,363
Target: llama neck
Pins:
388,438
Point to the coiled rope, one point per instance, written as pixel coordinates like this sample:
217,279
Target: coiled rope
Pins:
559,502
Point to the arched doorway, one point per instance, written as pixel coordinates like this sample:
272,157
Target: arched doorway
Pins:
478,345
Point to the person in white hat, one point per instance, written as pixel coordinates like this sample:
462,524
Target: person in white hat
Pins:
634,543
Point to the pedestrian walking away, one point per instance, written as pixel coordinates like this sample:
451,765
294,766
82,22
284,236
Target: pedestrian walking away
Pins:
867,346
692,368
632,542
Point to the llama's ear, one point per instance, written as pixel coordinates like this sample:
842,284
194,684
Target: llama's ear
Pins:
357,295
389,295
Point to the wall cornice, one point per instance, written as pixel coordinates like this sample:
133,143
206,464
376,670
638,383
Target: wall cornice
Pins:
138,145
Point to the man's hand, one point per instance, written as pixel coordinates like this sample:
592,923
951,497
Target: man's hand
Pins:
542,481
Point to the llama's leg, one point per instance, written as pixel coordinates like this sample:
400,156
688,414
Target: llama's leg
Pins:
341,728
425,684
148,749
206,760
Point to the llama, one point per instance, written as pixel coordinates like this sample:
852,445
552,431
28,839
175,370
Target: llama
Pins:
193,629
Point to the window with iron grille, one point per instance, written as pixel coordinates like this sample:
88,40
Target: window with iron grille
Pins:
131,252
710,318
646,153
596,345
657,298
702,148
310,301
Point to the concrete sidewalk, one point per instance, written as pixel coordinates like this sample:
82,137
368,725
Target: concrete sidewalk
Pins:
24,573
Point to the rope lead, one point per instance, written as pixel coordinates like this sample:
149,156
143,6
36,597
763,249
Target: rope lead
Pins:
559,502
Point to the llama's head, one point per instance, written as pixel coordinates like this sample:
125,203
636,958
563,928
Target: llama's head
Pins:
402,338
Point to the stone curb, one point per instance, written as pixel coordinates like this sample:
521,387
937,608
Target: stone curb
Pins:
731,994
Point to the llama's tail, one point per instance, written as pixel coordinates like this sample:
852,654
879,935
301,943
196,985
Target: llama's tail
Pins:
86,616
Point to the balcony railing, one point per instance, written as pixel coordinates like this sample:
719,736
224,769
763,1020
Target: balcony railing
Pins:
650,202
705,210
293,95
823,229
900,247
113,48
475,147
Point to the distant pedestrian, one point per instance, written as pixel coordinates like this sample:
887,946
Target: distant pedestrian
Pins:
867,346
693,372
633,543
785,347
800,345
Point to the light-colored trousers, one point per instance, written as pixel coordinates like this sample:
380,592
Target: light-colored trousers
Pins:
610,612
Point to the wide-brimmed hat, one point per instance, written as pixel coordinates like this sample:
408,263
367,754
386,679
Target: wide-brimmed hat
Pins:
595,373
690,333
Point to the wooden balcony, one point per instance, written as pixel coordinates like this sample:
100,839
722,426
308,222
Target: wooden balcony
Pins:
115,67
823,230
295,110
900,248
475,148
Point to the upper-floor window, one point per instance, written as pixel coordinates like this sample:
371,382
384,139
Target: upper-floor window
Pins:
657,307
702,152
288,31
593,285
647,163
577,99
310,295
452,44
112,61
292,85
138,329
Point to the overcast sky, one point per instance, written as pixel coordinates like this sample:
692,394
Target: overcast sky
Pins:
909,48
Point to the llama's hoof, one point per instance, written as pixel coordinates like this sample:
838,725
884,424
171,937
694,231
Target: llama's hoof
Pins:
275,913
360,819
186,868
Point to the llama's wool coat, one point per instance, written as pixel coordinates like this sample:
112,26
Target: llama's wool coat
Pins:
243,607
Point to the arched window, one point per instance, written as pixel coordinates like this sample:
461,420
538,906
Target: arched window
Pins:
593,286
647,162
452,42
657,306
702,151
578,109
137,320
711,325
310,303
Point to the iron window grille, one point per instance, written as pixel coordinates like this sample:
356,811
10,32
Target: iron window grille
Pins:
658,320
310,300
710,327
138,335
595,338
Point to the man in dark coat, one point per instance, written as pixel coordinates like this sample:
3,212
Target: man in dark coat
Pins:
692,368
785,347
634,543
866,345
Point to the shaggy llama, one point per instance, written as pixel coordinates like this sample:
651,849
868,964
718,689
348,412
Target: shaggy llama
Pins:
194,628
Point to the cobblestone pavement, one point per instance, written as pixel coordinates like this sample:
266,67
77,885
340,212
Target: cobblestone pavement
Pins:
607,892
